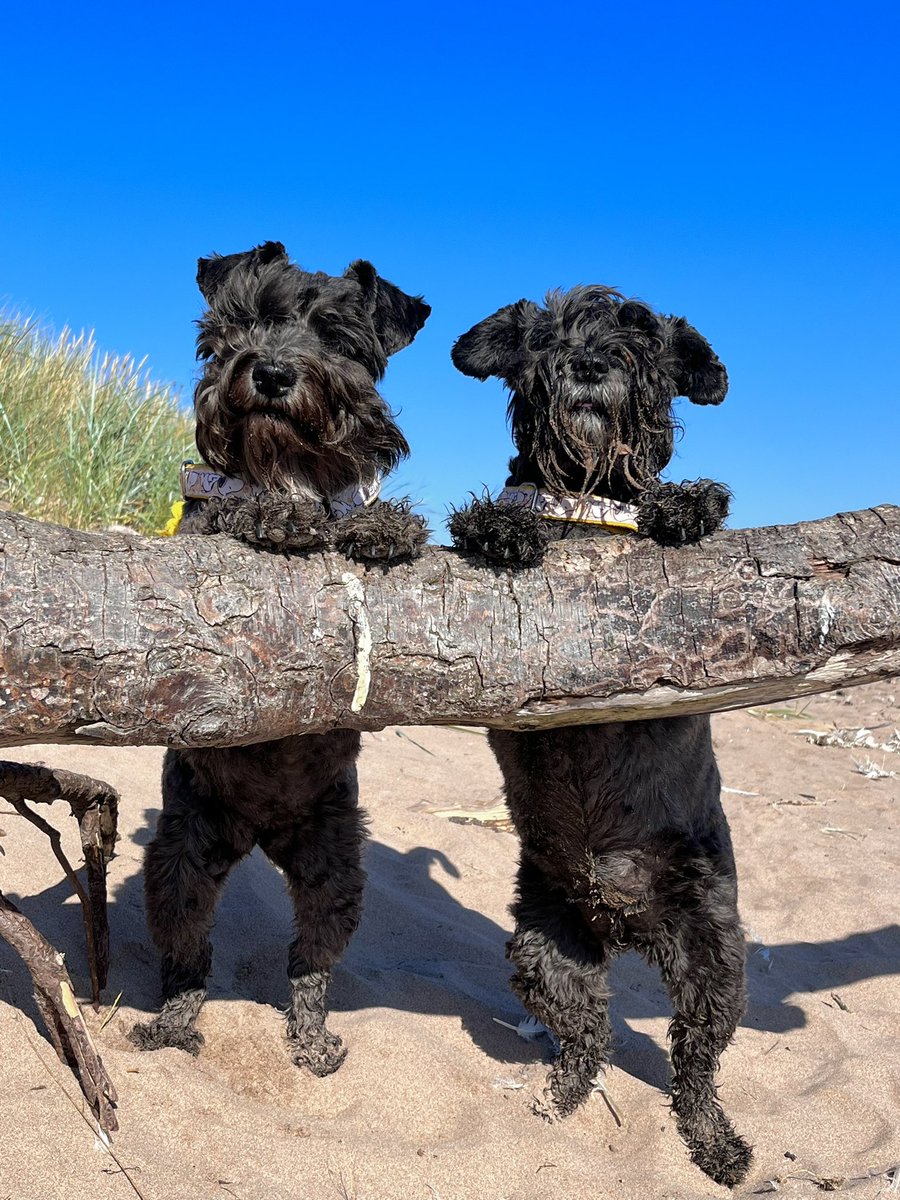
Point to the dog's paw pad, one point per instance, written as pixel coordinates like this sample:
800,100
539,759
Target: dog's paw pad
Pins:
500,533
276,521
568,1094
366,551
386,532
674,514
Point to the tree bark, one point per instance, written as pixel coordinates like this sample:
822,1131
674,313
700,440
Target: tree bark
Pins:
202,641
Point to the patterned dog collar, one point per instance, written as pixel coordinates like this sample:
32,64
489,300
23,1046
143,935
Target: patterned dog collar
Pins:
199,482
585,510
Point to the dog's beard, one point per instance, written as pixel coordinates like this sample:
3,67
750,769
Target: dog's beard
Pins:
592,437
329,431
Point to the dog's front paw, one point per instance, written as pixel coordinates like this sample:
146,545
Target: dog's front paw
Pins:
272,520
720,1153
543,1107
162,1033
571,1078
503,534
319,1051
387,531
675,514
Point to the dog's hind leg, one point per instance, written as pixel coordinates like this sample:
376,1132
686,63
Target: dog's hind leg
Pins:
560,977
186,864
701,957
320,857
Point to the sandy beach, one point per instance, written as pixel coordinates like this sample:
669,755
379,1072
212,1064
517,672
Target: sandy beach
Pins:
433,1102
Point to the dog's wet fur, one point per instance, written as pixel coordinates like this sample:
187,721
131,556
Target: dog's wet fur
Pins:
287,400
624,843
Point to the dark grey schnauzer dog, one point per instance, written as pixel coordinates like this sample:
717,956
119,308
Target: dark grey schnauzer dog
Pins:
624,841
287,402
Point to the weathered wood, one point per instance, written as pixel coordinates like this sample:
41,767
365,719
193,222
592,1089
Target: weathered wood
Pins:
202,641
55,998
94,804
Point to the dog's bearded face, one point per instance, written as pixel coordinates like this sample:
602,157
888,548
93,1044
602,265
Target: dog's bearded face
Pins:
592,378
287,398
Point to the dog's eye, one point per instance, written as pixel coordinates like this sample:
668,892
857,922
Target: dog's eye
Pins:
276,301
335,333
206,346
331,337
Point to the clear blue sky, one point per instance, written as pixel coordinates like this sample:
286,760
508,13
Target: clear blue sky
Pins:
737,164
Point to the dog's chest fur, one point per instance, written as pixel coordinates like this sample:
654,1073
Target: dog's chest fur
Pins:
279,783
597,809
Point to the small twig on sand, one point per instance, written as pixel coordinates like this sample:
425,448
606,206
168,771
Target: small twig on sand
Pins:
844,832
600,1089
112,1012
418,745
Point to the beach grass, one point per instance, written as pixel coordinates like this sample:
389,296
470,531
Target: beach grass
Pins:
87,439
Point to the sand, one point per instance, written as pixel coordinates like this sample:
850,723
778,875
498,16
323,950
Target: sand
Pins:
434,1099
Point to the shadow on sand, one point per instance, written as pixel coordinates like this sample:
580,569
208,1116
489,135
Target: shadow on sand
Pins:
419,950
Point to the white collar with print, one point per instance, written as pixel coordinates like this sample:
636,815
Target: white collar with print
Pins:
585,510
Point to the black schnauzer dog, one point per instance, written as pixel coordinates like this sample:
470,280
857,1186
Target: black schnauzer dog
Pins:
624,841
296,436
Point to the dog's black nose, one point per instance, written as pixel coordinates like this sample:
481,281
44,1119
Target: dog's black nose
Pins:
273,379
588,368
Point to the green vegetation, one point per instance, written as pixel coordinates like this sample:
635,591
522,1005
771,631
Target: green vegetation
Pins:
86,440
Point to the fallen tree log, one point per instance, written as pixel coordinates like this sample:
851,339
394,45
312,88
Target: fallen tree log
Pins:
201,641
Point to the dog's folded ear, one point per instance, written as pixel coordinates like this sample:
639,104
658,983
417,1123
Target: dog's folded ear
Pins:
495,345
213,271
396,316
633,314
697,372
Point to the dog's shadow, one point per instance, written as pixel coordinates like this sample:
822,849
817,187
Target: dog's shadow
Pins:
420,950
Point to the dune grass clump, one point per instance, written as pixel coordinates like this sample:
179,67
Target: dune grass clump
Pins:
86,439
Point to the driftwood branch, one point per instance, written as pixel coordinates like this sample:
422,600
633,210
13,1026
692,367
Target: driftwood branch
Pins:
94,805
203,641
55,997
